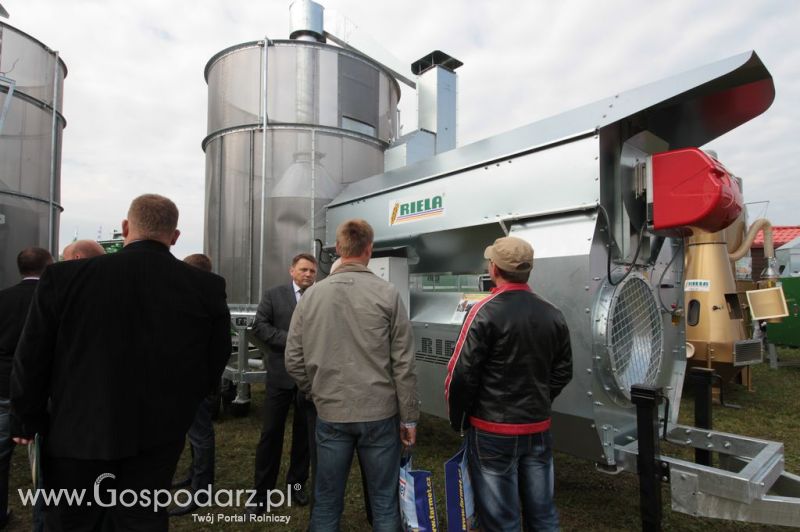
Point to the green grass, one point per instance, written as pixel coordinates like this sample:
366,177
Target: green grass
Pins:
587,500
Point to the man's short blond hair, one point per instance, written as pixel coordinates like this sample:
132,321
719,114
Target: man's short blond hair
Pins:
353,237
153,216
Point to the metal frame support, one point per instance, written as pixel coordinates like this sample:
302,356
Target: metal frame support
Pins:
774,362
771,350
242,386
12,85
245,365
647,399
701,380
54,146
264,125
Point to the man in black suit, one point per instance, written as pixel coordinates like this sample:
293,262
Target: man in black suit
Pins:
271,325
201,432
14,303
116,355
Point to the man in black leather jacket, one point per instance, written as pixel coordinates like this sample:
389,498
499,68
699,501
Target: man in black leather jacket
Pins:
511,360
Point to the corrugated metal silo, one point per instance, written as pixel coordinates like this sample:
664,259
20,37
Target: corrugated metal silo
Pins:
330,114
31,126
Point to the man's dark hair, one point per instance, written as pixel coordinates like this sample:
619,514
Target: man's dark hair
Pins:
33,261
198,260
514,277
307,256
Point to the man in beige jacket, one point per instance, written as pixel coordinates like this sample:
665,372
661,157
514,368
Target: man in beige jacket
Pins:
350,348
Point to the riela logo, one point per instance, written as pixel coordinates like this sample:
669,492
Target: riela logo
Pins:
413,210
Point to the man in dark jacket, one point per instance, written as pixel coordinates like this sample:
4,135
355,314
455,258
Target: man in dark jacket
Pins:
116,355
512,358
14,303
271,326
200,435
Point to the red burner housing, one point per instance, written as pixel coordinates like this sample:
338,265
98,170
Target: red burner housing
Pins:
692,190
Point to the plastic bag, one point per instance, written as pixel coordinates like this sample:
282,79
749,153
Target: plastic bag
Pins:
417,500
461,512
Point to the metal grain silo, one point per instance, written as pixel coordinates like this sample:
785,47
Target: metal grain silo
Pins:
31,80
290,124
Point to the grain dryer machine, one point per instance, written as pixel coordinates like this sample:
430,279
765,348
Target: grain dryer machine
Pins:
605,194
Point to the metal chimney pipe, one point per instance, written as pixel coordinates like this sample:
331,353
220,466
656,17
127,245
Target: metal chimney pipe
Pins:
306,21
436,93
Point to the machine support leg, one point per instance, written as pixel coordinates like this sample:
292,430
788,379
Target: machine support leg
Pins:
773,355
701,379
647,399
242,388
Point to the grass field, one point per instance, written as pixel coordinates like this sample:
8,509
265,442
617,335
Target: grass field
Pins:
587,500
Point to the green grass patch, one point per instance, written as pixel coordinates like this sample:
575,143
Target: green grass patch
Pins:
587,500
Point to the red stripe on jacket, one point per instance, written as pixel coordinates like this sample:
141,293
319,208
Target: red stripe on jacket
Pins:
465,329
510,429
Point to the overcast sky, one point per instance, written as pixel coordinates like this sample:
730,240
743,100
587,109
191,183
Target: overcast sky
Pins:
135,97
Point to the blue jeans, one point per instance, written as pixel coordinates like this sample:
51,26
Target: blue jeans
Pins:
378,445
201,438
6,449
507,469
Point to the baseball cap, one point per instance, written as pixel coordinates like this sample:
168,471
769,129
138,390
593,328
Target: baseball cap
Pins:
510,254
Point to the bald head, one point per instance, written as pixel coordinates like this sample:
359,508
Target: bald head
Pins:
198,260
151,217
83,249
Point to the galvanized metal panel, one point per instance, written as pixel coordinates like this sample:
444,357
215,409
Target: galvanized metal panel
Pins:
563,282
307,83
771,510
563,236
434,332
410,149
576,435
561,179
298,185
689,109
561,259
31,131
781,508
358,83
393,270
609,411
561,250
437,91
